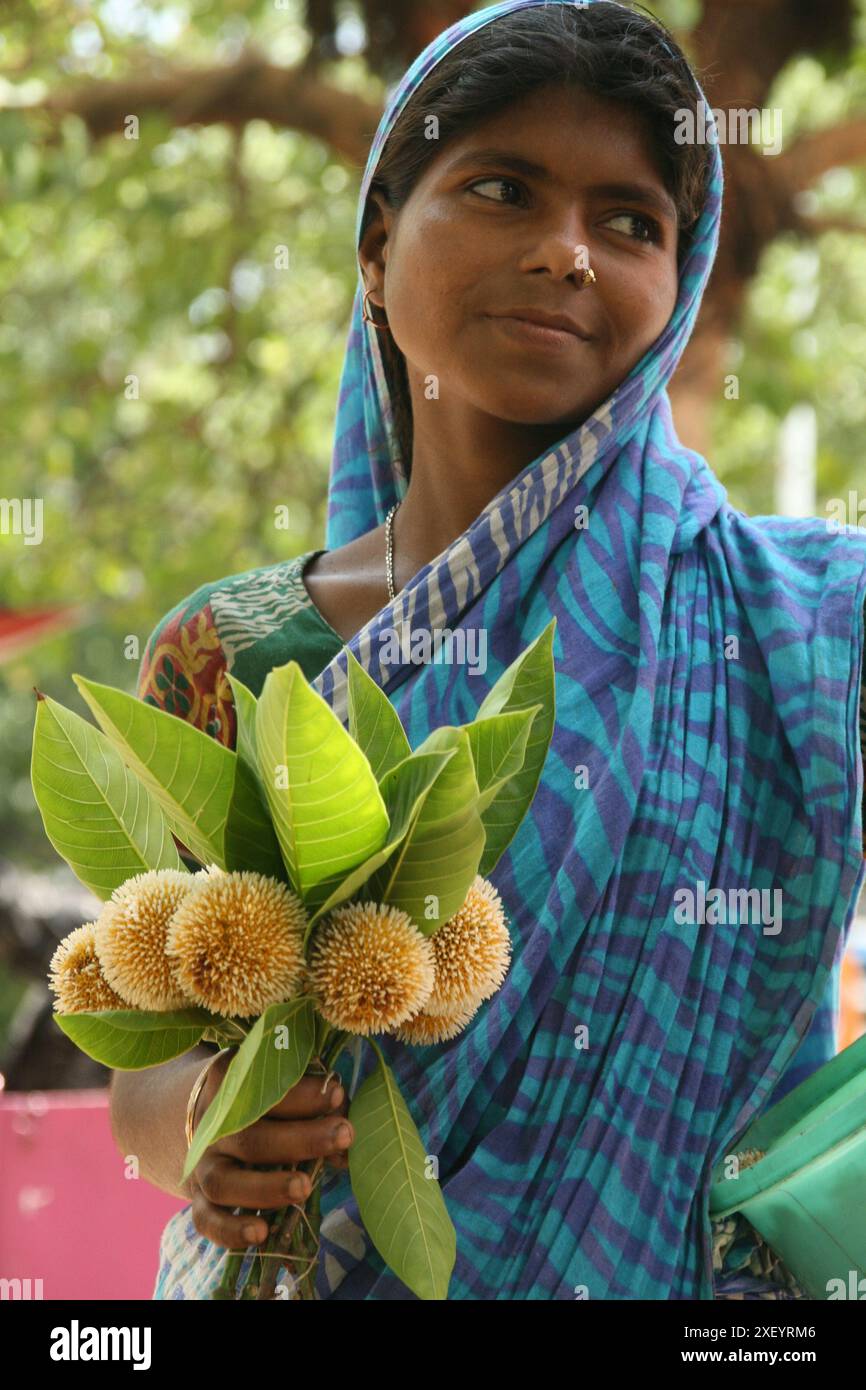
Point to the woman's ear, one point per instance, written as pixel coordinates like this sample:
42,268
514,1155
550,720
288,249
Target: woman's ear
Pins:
373,248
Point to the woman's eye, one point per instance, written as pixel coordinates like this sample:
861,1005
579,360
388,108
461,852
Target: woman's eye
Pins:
501,183
649,223
652,230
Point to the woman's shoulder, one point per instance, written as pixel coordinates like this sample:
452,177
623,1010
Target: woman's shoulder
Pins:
183,667
255,606
805,558
185,662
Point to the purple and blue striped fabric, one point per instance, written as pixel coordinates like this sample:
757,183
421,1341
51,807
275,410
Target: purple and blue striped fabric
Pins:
707,667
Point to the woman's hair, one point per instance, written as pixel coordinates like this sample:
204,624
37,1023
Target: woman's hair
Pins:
606,50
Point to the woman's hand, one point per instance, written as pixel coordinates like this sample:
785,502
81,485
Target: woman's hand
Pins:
305,1124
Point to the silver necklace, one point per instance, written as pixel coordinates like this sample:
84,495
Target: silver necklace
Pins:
389,549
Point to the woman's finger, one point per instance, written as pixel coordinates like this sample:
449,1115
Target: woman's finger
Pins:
221,1226
306,1100
225,1183
288,1141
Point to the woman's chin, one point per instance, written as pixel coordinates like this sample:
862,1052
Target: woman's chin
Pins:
537,410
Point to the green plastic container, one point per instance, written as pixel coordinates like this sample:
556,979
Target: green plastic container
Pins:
807,1194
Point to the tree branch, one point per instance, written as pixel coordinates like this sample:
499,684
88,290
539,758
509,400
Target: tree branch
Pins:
815,226
250,89
812,155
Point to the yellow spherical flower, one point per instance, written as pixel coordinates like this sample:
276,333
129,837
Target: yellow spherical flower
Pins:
370,968
76,978
472,952
131,934
425,1028
236,943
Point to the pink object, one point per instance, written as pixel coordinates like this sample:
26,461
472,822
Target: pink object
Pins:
69,1214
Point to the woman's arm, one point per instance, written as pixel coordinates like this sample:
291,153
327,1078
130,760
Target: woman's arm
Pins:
148,1117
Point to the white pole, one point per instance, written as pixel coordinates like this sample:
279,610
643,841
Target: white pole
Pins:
796,471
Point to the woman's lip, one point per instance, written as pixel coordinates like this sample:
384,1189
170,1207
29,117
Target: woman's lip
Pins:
536,333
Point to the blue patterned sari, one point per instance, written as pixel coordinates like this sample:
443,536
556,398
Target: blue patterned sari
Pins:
584,1172
707,668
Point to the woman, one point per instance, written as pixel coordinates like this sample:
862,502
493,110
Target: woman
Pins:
707,670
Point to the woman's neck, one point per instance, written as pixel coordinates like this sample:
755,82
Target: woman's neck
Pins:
454,475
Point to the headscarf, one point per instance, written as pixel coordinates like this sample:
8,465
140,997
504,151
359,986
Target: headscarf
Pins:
707,669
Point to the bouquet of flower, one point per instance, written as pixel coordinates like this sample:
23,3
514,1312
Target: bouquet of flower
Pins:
342,894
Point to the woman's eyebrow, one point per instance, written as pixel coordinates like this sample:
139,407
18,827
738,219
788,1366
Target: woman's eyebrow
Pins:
638,192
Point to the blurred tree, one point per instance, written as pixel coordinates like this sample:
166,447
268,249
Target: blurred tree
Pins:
739,48
179,183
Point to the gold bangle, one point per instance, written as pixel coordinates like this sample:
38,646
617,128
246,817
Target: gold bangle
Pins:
196,1092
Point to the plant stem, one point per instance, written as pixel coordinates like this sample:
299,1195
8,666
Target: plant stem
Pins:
253,1279
281,1240
315,1217
292,1234
231,1270
341,1040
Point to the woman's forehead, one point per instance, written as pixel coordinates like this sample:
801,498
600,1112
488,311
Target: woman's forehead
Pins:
566,126
560,136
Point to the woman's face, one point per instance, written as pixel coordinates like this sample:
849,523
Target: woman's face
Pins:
481,236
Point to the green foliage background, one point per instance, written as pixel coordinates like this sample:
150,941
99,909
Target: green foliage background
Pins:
156,258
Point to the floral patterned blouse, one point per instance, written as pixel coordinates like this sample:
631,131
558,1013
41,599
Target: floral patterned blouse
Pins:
251,622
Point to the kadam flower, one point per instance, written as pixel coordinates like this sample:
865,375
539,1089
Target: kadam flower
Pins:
426,1028
236,943
131,933
472,952
75,975
370,968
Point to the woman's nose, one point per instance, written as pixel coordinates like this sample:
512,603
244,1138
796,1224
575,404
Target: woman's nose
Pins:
561,248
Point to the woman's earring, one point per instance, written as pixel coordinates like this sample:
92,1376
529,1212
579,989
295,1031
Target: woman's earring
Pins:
589,277
367,318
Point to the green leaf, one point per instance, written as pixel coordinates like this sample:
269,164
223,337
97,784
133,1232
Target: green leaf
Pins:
224,1032
259,1074
130,1040
439,856
527,682
189,773
250,840
96,814
403,790
498,746
403,1210
245,704
373,722
328,812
